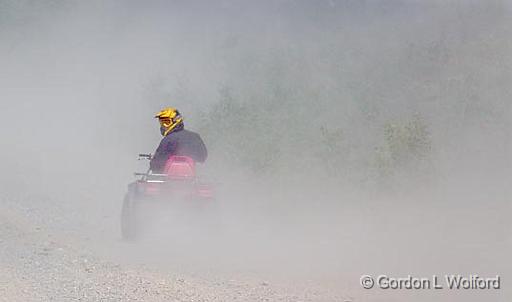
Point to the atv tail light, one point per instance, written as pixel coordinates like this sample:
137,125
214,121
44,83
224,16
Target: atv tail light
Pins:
204,191
151,188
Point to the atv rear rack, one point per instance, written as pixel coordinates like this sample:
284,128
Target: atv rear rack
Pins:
151,177
149,174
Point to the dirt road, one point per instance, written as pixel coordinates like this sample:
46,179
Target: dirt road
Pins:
51,250
40,263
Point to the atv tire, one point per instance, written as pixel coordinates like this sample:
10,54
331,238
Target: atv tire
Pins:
128,218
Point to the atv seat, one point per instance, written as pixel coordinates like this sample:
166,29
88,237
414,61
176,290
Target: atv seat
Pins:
180,168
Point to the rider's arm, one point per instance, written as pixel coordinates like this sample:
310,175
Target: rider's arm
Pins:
162,154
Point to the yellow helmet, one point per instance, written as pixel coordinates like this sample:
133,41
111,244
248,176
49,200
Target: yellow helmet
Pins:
169,118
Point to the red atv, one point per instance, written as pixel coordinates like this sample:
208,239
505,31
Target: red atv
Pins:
176,188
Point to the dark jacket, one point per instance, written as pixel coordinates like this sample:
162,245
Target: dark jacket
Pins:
179,142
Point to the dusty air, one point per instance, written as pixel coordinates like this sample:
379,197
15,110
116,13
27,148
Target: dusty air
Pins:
286,150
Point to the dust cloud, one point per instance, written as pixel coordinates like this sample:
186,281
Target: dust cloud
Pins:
345,137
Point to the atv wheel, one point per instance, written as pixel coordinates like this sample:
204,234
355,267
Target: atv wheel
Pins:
128,219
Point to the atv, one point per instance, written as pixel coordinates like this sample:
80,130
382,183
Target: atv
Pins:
178,188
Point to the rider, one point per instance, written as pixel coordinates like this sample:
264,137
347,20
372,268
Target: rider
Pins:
176,141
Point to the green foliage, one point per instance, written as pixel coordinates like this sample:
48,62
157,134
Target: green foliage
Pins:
267,139
332,151
407,147
240,133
